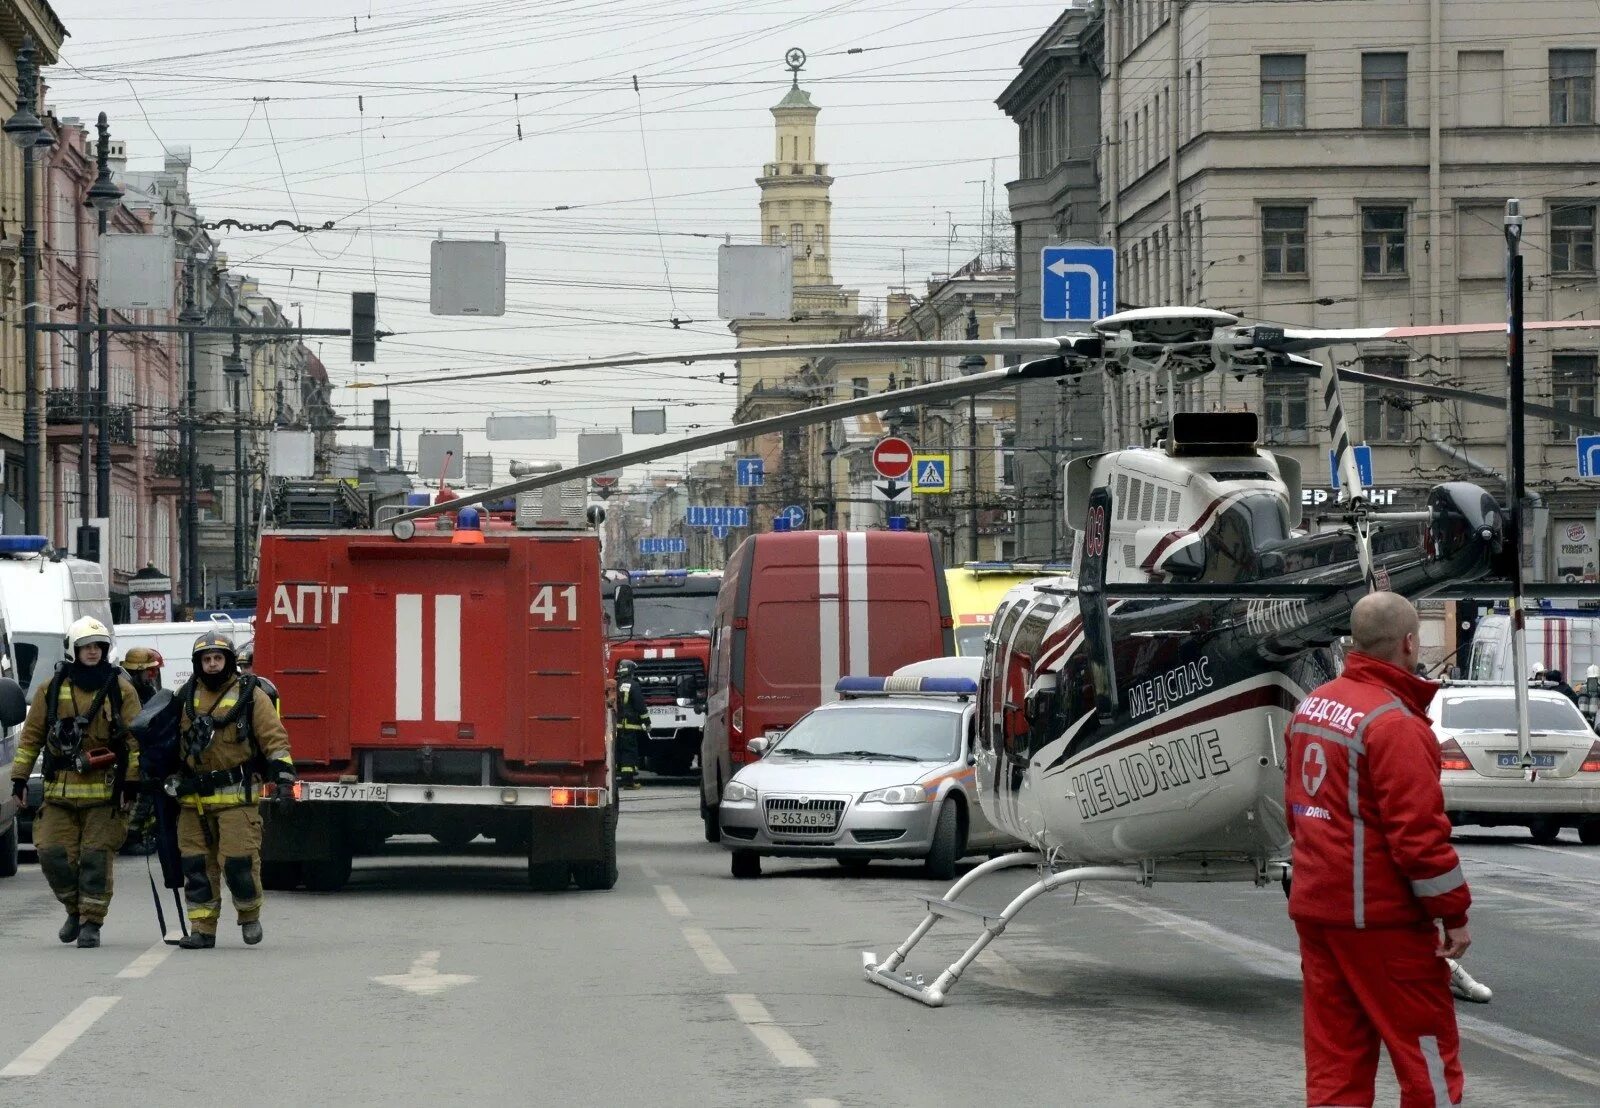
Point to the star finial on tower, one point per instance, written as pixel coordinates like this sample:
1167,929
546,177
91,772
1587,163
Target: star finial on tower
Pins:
795,59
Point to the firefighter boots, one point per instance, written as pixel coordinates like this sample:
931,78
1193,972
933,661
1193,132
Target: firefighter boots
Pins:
197,940
251,929
89,935
69,930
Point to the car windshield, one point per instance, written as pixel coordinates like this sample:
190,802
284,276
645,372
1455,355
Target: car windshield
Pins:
36,657
1495,713
656,617
910,734
969,641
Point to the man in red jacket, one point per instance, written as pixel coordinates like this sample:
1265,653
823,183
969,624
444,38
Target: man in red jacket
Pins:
1375,875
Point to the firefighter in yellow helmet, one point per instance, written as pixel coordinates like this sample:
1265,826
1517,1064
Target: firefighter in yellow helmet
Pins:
143,664
230,738
79,720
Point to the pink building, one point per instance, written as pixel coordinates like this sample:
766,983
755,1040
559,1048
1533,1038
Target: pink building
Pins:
144,387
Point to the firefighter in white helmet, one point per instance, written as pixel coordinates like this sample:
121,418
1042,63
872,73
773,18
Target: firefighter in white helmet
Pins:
79,721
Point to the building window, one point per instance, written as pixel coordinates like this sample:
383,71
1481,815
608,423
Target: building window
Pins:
1383,415
1283,90
1572,239
1383,242
774,236
1572,86
858,387
1573,387
1383,90
1285,412
1283,241
1008,459
797,234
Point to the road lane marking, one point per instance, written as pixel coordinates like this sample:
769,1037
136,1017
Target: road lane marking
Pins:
1533,898
1577,852
1541,874
754,1015
425,978
710,954
672,902
51,1044
149,960
1279,963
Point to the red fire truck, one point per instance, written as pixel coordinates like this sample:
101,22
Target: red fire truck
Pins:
441,686
670,643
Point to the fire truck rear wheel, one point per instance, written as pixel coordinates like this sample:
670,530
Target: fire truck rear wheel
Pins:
601,874
549,877
8,850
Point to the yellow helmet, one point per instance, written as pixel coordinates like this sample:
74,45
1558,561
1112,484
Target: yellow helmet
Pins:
214,640
141,658
87,631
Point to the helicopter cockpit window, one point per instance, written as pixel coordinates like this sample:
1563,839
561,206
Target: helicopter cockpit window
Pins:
1247,529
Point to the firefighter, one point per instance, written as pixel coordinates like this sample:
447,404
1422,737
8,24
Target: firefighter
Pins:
79,720
633,723
143,665
1378,896
247,664
229,736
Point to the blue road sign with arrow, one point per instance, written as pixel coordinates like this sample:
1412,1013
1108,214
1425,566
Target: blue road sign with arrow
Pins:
1077,284
751,472
1363,465
796,515
1589,457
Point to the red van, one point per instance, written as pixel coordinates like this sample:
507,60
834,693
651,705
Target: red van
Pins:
798,610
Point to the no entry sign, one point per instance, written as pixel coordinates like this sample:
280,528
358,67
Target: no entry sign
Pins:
892,457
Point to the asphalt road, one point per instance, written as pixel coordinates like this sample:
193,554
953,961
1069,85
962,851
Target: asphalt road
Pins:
440,978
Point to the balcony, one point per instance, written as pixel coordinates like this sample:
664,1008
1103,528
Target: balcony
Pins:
64,408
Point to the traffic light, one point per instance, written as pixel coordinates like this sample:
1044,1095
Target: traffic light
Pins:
380,424
363,326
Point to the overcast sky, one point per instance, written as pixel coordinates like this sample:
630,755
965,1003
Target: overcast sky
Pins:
397,119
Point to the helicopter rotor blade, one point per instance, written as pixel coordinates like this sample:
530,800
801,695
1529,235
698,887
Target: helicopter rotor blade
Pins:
1441,392
1061,365
1028,348
1291,340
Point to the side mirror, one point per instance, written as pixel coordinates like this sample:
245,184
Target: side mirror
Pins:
972,759
1188,563
757,746
13,703
622,605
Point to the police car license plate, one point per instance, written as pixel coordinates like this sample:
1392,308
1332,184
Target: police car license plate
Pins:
334,790
803,818
1512,761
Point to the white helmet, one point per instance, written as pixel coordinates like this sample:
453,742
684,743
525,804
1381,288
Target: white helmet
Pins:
86,632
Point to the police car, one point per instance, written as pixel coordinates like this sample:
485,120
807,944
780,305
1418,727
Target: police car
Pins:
885,772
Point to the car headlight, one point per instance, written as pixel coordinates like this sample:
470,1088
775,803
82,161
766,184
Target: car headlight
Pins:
738,792
900,794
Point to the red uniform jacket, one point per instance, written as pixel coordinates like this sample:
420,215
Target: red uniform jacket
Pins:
1371,840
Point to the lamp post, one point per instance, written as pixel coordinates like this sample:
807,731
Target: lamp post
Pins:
193,316
104,196
233,369
829,453
28,134
972,363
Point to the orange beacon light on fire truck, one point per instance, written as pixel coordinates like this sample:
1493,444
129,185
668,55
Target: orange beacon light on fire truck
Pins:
469,527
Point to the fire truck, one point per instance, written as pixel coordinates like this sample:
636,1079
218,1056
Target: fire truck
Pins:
670,643
442,682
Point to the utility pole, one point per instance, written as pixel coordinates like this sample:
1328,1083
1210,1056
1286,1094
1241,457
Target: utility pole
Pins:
1515,471
104,195
233,369
971,364
86,411
191,315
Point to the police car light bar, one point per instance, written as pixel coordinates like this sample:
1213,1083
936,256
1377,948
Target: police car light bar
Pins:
22,544
903,686
658,574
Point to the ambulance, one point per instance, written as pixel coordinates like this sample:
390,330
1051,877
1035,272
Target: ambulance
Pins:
797,611
976,589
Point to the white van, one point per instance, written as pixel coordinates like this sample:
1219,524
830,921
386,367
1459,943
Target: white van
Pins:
175,641
1564,639
40,597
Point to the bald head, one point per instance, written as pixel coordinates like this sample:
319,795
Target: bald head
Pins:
1385,625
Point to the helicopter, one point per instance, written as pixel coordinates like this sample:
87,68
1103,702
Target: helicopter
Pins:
1130,716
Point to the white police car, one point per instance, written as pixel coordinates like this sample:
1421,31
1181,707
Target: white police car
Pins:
885,772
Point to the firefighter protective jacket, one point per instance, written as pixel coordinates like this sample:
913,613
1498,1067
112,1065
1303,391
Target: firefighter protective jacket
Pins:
1371,839
68,786
229,750
632,709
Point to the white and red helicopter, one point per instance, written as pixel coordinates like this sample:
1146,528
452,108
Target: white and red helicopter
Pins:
1131,715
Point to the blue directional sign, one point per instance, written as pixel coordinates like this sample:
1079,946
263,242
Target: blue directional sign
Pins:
796,515
1077,284
663,546
719,532
751,472
1589,457
1363,465
716,515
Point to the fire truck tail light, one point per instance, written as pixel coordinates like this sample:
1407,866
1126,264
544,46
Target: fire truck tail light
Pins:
1451,756
574,798
561,798
1591,764
389,731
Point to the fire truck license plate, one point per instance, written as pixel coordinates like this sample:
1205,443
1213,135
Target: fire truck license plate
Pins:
802,819
333,790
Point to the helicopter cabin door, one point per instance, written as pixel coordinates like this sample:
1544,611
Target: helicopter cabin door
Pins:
1015,736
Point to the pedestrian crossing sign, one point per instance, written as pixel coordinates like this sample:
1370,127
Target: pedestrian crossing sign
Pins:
930,473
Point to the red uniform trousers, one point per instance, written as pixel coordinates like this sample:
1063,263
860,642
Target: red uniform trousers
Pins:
1383,983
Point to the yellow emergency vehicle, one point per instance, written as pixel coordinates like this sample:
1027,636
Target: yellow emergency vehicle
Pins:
976,589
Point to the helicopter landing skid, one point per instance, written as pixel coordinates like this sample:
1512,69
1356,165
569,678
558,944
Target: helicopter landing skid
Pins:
946,907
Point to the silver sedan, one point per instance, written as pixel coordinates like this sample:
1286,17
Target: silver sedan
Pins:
889,776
